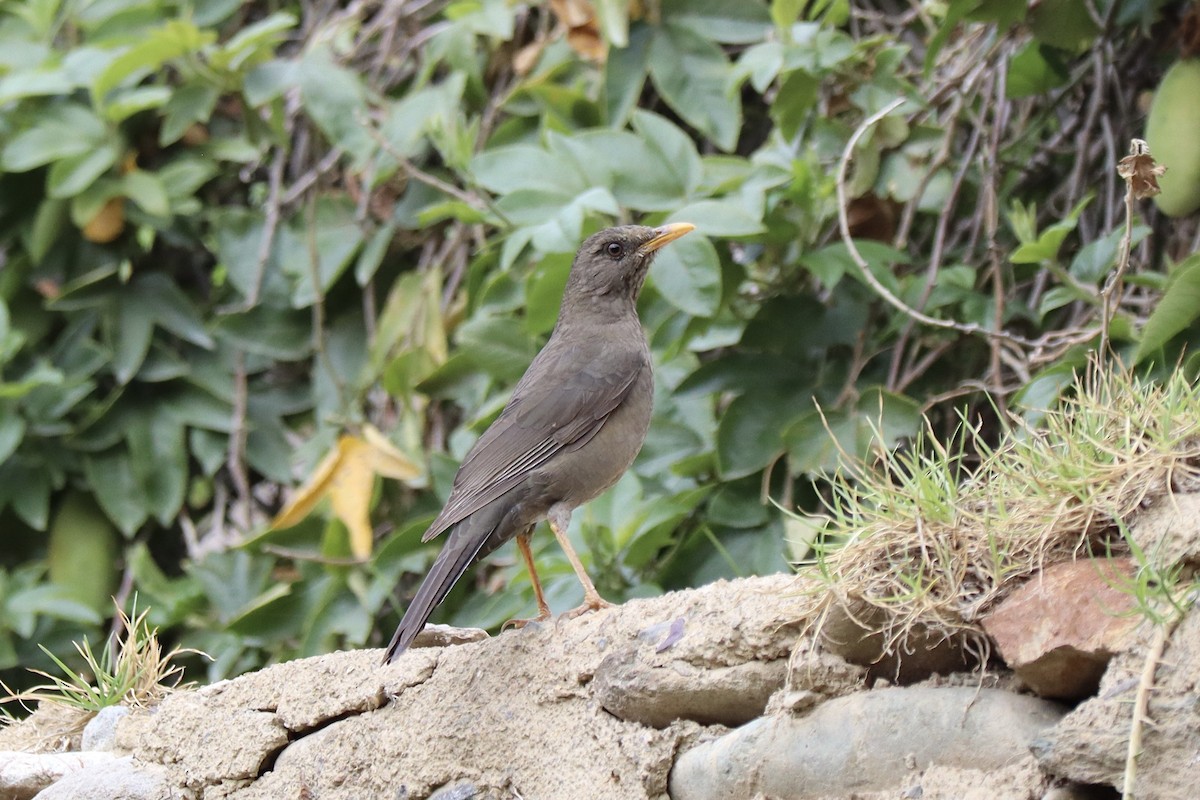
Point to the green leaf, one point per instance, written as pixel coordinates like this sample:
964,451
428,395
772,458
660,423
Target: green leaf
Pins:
613,16
1095,259
331,237
124,103
158,459
277,334
749,433
181,177
176,38
692,75
640,177
52,216
625,74
688,275
26,488
878,420
524,167
499,346
39,82
254,40
761,63
231,579
372,255
1046,246
12,431
132,334
117,491
173,310
544,291
145,189
421,112
720,218
336,100
60,132
268,81
796,99
199,409
1003,12
1065,24
728,21
1178,308
189,104
671,146
785,12
238,233
1035,70
47,600
71,175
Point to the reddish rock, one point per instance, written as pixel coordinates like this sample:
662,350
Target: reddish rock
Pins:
1059,630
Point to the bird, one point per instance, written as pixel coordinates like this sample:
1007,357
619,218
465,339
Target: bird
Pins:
571,428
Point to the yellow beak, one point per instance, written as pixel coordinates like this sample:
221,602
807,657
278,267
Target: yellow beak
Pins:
665,234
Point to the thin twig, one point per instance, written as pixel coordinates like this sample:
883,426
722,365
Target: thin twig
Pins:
235,460
445,187
1112,286
318,306
1141,703
864,268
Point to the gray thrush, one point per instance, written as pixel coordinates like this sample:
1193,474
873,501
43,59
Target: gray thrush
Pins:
573,425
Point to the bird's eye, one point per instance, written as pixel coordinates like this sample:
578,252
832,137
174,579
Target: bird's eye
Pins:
615,249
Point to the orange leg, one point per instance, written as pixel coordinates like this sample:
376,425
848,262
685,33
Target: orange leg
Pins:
560,519
543,607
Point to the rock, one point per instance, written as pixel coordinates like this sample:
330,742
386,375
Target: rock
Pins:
114,779
23,775
461,790
234,729
519,714
641,685
447,635
863,742
1090,744
1021,780
101,731
857,636
1167,530
1059,630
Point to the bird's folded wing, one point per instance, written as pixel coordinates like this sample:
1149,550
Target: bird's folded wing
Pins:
574,395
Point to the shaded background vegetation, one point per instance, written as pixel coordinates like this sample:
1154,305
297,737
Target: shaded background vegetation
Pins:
232,232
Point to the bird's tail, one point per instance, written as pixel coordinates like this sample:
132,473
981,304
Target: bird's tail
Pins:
468,541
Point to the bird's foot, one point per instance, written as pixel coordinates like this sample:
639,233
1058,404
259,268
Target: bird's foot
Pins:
517,624
590,603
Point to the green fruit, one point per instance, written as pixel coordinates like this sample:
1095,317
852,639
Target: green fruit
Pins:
1173,133
84,548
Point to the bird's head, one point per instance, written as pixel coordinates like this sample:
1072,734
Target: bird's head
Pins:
614,262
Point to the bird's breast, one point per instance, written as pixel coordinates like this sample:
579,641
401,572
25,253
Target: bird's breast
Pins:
582,473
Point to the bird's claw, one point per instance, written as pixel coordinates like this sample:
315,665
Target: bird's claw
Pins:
517,624
589,604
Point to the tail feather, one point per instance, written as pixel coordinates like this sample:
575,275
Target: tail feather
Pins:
469,540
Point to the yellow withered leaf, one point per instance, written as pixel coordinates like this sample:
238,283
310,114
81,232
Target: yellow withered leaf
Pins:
347,476
350,490
386,460
311,492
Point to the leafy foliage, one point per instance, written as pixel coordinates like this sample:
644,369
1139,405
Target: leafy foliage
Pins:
234,234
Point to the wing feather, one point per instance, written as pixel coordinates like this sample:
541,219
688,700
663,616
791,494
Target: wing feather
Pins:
537,423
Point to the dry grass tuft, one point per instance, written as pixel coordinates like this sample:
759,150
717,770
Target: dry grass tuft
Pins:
131,669
929,547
